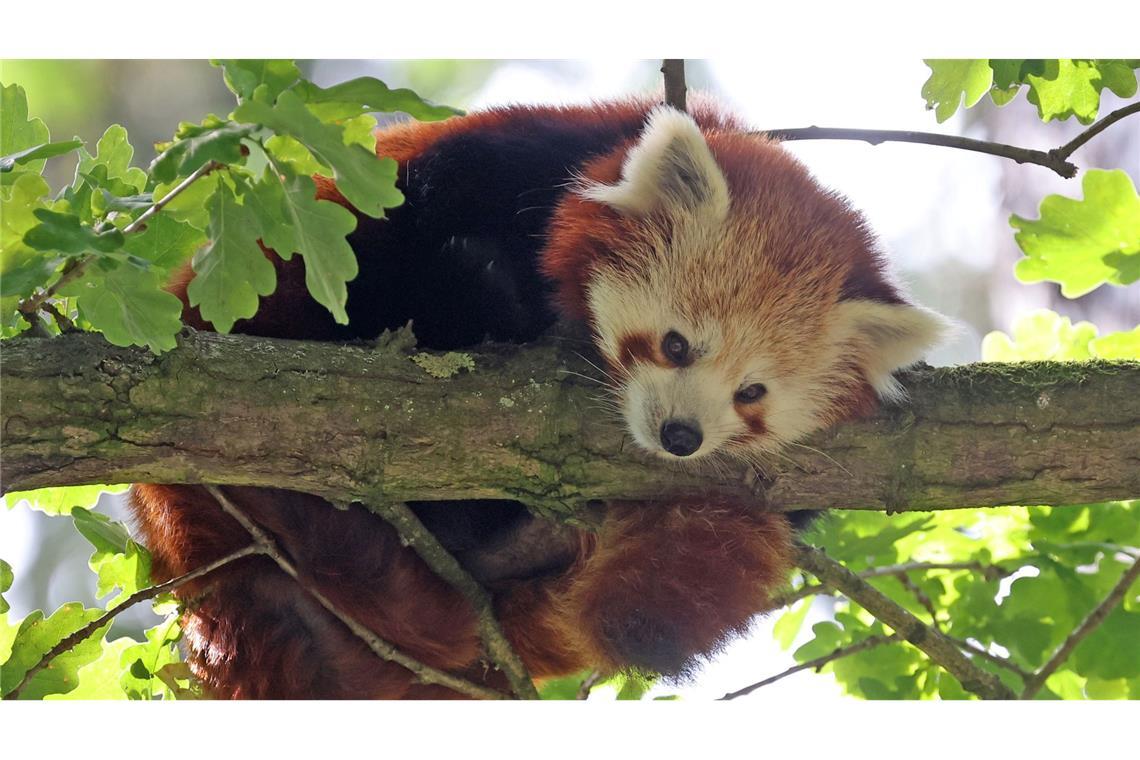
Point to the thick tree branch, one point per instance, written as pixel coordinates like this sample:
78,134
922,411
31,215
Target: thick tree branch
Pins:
367,424
1087,626
383,649
72,640
936,646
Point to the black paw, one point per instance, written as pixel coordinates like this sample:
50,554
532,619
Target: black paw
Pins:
638,640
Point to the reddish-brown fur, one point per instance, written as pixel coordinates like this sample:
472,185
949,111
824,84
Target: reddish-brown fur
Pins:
666,580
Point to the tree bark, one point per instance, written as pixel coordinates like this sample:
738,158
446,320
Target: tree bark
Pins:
368,423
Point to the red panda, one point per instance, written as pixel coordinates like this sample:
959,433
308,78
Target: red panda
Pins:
736,306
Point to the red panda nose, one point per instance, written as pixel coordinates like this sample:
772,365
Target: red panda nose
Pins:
680,438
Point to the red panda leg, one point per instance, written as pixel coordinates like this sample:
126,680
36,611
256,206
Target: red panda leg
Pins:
254,632
657,585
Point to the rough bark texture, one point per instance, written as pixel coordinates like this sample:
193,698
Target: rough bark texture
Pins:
368,423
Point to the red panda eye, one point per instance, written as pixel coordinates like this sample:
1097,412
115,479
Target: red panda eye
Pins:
675,347
750,394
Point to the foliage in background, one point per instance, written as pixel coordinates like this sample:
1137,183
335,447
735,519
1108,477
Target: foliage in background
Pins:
84,257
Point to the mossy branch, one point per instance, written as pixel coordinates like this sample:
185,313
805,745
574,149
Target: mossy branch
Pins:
361,423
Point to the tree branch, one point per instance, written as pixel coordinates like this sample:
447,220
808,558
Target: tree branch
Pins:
141,595
383,649
414,534
1087,626
868,643
1048,159
673,70
353,423
1071,146
940,649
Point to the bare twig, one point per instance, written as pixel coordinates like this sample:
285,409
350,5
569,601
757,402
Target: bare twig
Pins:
926,638
675,89
1071,146
414,534
991,572
75,268
385,650
867,643
139,596
876,136
1087,626
998,660
588,684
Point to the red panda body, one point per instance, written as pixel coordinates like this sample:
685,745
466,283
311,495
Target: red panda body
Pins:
736,305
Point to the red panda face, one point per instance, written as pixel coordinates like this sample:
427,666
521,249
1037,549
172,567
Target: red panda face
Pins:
738,305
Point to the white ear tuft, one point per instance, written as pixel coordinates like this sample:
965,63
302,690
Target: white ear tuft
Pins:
889,337
670,168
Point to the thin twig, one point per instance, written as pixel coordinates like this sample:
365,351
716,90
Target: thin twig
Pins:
74,269
867,643
141,595
998,660
926,638
877,136
991,572
413,533
385,650
673,70
588,684
1071,146
1087,626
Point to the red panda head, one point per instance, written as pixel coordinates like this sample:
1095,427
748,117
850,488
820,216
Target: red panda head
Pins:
738,304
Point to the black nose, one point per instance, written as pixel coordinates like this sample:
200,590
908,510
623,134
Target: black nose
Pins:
680,438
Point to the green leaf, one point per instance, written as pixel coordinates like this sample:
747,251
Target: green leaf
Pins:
232,271
114,152
368,182
17,131
6,579
23,269
245,76
118,561
297,156
105,535
66,233
165,242
129,306
35,637
951,80
1111,650
1038,336
192,205
214,140
100,679
563,688
1067,87
368,95
61,500
1118,345
41,151
1083,244
315,229
789,624
141,662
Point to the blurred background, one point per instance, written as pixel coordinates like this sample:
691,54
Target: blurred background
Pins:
942,214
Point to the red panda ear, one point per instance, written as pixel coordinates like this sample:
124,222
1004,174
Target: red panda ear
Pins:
888,337
670,168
